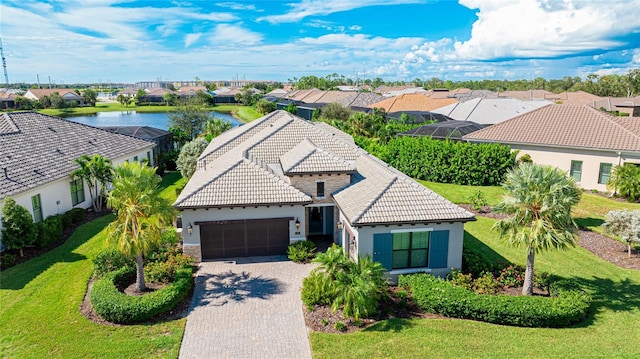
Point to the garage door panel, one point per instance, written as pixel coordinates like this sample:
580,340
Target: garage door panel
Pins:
244,238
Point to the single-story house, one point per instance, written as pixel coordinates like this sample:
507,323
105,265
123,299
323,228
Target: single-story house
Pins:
412,102
584,141
163,139
626,105
37,157
281,179
70,96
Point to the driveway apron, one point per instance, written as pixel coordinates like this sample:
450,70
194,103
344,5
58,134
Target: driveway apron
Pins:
247,308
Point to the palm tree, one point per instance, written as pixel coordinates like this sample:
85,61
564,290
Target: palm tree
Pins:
141,213
539,198
625,180
96,171
215,126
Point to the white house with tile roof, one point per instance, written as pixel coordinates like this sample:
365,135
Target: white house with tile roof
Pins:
280,179
37,155
579,139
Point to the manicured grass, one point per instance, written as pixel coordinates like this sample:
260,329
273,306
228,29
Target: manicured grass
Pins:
460,194
40,317
615,310
611,330
171,183
244,113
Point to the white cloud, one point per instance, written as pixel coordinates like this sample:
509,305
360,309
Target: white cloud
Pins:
545,28
355,27
234,34
236,6
191,38
636,56
306,8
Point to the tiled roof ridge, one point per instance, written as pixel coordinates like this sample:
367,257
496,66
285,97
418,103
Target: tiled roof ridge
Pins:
273,129
211,180
513,119
12,126
316,149
374,200
614,121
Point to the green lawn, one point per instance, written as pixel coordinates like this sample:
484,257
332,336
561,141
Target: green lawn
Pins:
171,183
39,309
612,329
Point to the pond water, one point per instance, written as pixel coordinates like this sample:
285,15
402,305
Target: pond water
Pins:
132,118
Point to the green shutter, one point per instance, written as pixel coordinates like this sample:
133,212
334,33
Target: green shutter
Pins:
383,249
439,249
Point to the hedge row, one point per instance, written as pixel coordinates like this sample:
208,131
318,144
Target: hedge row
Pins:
565,307
447,161
118,307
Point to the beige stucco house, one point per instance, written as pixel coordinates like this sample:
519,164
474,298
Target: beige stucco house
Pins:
37,155
584,141
281,179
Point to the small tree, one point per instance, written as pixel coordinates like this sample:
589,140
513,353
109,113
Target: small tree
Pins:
141,213
625,180
140,96
96,172
335,111
214,127
625,224
18,230
188,157
190,117
90,97
265,107
539,200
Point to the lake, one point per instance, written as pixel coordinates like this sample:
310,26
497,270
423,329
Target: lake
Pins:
132,118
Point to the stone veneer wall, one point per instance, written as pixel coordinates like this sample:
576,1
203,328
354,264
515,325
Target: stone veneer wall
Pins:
193,251
332,183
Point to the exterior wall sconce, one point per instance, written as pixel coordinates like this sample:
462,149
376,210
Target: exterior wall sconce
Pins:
190,229
340,225
297,224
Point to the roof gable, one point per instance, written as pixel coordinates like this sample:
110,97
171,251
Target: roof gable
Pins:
306,158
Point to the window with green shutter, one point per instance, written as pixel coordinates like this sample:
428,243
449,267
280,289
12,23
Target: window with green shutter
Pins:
605,173
576,170
410,250
37,208
77,191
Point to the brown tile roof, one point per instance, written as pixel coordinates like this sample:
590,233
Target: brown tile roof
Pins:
611,103
526,94
412,102
566,126
245,167
37,149
192,89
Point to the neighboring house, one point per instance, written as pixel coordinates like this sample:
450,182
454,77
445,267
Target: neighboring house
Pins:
281,179
163,139
156,95
132,92
7,100
190,91
581,140
357,101
70,96
628,105
489,111
37,158
391,91
412,102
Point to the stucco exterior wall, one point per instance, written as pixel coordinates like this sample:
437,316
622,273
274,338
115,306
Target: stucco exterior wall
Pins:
60,190
332,183
191,242
591,159
364,243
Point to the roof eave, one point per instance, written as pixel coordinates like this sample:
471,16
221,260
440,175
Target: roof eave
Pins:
221,206
458,220
550,145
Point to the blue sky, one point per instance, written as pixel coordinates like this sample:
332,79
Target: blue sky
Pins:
127,41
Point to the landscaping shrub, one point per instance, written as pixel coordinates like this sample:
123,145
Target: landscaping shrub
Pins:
48,231
118,307
73,216
512,276
567,305
317,289
357,288
486,284
302,251
478,200
449,162
475,264
110,260
7,260
159,272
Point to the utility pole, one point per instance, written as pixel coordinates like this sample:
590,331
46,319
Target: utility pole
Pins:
4,64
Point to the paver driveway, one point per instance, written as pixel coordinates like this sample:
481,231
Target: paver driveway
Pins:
248,308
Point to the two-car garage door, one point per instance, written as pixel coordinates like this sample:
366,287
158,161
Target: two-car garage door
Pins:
242,238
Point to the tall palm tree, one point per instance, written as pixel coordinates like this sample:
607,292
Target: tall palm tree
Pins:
141,213
96,172
539,198
215,126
